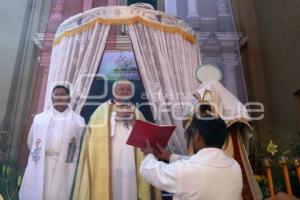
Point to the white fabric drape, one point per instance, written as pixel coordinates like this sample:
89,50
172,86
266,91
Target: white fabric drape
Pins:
74,62
123,162
167,64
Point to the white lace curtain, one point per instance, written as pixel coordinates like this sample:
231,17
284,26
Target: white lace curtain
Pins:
74,61
167,63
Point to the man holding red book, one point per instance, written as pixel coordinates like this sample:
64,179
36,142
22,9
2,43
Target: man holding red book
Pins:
207,175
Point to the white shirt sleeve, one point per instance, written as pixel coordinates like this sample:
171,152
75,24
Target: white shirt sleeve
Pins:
30,138
161,175
174,157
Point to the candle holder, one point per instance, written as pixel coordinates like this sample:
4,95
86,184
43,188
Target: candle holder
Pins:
283,162
297,168
267,164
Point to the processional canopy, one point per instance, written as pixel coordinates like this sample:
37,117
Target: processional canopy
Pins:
122,15
165,48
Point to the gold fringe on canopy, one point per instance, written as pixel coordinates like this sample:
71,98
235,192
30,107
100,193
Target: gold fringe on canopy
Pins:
127,21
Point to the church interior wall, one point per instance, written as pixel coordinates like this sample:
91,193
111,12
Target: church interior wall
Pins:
279,30
271,61
246,22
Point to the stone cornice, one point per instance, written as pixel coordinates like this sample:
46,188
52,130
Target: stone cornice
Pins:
41,39
228,38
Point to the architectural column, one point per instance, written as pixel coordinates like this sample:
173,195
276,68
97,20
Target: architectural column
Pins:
229,77
171,7
192,15
57,11
87,5
56,16
224,16
192,9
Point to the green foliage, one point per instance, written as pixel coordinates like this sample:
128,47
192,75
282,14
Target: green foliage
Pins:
278,187
10,180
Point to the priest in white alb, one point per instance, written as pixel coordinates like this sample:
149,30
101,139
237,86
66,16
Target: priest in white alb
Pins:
207,175
54,142
108,167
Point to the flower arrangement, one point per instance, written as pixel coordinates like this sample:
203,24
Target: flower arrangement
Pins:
272,148
266,147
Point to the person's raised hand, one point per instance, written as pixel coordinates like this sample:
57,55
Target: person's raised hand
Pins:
148,149
161,153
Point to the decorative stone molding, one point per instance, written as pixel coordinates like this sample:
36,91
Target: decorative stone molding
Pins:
57,16
41,39
242,38
223,36
123,42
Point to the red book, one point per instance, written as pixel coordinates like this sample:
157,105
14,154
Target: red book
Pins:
143,131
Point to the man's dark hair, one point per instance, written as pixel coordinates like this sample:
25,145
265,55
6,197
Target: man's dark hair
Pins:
212,129
63,87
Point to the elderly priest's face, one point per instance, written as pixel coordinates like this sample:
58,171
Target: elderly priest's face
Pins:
123,90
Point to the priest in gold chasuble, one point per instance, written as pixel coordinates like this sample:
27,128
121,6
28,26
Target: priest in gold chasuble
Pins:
108,167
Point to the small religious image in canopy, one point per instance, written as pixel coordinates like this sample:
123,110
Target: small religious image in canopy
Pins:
118,65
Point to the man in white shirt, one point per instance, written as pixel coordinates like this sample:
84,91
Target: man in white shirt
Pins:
207,175
54,142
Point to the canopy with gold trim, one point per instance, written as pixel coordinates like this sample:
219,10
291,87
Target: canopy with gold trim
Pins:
166,50
117,15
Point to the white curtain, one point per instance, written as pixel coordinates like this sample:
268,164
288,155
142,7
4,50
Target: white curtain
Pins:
167,64
74,62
